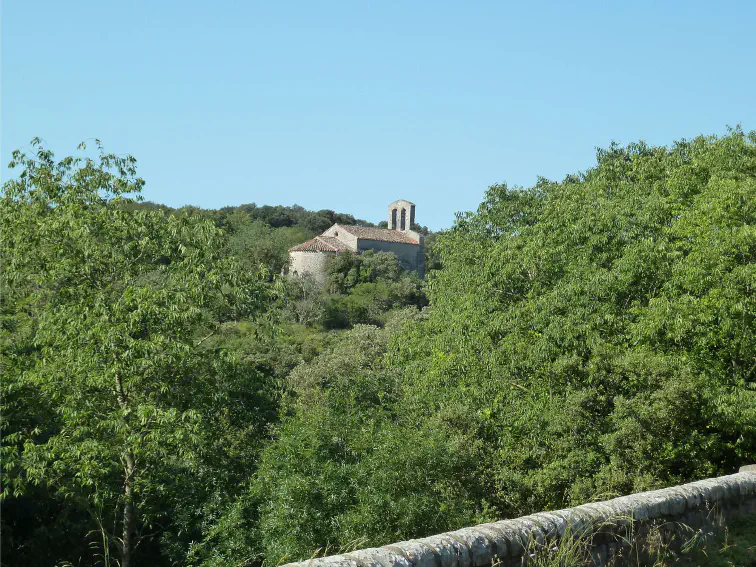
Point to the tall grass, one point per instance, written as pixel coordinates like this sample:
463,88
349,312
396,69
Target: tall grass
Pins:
621,542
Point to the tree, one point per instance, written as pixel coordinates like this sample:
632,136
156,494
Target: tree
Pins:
344,470
256,244
583,339
107,311
365,287
600,332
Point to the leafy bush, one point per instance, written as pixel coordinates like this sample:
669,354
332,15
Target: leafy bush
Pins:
599,333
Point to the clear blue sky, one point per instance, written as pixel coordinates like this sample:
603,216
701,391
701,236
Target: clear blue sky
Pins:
349,105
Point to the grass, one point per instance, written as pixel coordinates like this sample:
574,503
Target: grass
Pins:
661,545
735,548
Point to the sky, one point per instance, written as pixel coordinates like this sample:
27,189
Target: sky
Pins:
350,105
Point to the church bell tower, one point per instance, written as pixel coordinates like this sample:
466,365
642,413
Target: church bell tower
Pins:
401,215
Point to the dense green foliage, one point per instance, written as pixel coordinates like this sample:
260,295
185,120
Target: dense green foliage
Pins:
142,349
599,332
574,340
107,311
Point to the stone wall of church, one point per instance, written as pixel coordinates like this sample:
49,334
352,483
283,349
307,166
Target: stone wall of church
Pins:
312,263
348,239
410,255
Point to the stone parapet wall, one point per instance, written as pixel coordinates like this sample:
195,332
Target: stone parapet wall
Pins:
508,543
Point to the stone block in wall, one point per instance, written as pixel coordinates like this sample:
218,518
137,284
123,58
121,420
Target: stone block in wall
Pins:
451,552
379,557
418,553
482,547
517,541
330,561
500,539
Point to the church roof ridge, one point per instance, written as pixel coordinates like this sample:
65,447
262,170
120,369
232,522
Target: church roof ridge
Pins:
380,234
319,244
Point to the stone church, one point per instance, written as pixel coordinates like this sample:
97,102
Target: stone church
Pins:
312,257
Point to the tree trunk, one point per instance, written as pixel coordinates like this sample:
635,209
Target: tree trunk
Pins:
128,512
129,467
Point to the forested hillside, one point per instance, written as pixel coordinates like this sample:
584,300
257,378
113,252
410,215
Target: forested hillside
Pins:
168,398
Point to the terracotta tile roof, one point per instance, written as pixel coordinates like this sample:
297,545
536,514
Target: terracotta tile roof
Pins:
382,234
332,241
319,244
